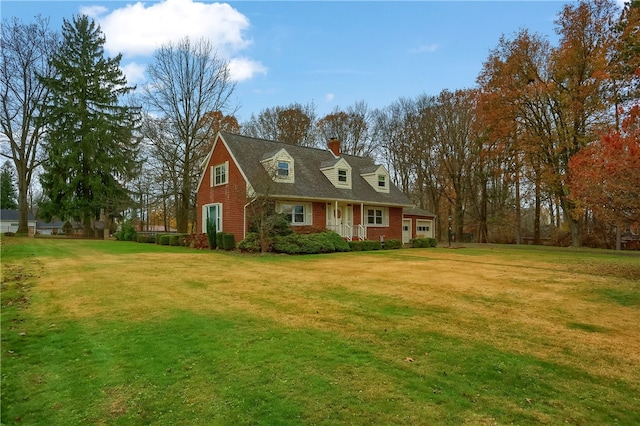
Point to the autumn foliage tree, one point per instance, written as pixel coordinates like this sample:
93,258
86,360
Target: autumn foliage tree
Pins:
605,176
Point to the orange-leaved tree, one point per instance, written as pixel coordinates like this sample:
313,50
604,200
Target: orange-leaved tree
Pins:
605,176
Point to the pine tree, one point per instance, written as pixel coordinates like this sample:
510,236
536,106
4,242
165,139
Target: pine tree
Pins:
7,190
91,150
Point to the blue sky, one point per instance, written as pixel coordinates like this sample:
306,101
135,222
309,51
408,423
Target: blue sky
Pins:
331,53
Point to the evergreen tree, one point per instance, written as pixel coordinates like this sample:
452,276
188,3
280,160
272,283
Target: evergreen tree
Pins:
91,150
7,190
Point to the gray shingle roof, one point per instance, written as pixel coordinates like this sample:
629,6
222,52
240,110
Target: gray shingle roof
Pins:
310,182
6,214
414,211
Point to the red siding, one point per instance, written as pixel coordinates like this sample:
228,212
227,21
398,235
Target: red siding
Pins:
232,196
320,215
392,232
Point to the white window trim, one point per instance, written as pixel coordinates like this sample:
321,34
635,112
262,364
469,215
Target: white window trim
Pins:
307,211
205,210
226,174
385,216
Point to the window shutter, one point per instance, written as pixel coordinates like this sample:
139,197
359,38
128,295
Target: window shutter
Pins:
309,214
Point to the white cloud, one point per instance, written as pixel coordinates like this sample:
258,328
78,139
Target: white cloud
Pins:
329,97
138,30
244,69
134,72
425,48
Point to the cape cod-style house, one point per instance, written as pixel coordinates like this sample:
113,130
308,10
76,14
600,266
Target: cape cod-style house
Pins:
316,188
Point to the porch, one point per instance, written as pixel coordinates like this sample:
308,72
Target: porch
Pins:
340,219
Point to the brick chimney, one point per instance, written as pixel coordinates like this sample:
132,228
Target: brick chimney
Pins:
334,146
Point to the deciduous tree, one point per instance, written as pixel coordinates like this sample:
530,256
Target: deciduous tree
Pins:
187,80
25,49
605,176
292,124
352,127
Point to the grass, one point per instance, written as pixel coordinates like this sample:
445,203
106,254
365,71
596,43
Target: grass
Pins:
103,332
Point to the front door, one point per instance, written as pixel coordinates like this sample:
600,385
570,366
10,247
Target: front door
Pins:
340,219
406,231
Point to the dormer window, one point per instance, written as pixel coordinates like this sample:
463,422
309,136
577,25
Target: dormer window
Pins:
280,166
378,178
283,169
338,171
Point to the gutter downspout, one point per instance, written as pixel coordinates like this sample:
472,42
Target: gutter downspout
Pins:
244,220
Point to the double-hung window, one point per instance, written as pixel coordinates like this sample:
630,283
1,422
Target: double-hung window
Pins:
375,216
283,169
295,213
342,175
220,175
382,181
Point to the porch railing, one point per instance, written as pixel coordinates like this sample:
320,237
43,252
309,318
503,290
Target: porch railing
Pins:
348,232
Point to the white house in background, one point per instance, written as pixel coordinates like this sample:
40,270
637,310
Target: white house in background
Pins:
9,221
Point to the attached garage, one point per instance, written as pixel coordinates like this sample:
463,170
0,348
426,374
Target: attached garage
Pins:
417,223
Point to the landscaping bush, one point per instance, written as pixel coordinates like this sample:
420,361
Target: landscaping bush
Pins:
322,242
146,238
219,242
355,245
212,234
339,243
127,231
423,242
174,240
197,241
228,241
365,245
250,244
164,239
392,244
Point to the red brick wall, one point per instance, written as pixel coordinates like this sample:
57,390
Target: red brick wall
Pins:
392,232
232,195
320,215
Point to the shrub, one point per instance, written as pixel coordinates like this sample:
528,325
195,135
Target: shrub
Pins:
423,242
164,239
228,241
371,245
355,245
127,232
174,240
211,234
219,242
322,242
392,244
250,244
339,244
146,238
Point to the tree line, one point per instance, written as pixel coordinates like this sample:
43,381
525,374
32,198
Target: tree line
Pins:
544,147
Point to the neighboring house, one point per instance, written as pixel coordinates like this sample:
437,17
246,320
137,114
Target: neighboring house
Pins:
55,227
9,221
315,188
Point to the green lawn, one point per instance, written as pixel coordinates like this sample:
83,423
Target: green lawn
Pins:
118,333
